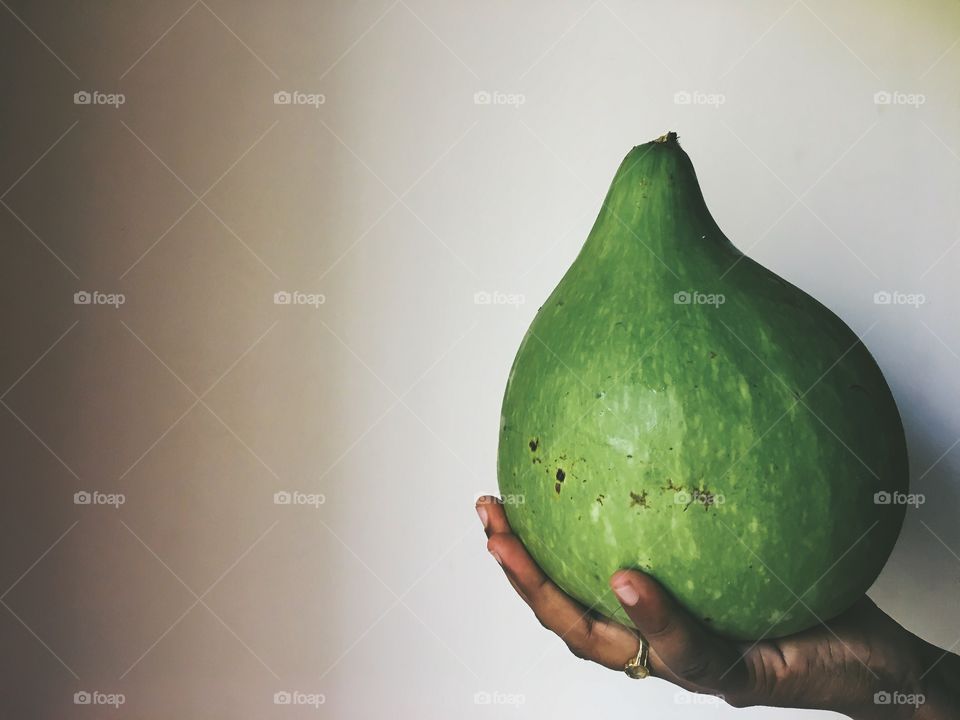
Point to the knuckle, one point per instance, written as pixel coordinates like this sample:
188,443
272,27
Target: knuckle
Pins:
544,623
664,628
578,648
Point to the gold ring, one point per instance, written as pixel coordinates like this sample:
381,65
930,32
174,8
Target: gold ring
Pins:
637,668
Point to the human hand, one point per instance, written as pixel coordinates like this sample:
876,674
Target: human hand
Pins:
844,665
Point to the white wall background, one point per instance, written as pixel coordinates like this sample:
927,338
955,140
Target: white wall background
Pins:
399,199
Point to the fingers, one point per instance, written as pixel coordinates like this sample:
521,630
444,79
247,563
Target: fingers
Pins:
492,515
697,657
587,637
551,606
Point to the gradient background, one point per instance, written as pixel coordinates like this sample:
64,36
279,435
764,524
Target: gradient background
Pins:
398,199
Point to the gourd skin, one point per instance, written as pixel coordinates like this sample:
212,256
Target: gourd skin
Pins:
736,446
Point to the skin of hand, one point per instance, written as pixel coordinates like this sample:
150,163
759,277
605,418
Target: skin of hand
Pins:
841,667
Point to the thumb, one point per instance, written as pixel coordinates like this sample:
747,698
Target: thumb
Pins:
697,657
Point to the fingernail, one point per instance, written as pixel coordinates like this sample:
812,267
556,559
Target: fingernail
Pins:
497,557
627,593
482,512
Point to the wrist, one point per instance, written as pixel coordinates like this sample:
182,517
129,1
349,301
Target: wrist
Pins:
940,683
923,684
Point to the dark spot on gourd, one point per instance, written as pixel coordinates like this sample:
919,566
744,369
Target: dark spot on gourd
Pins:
561,475
712,354
630,456
638,499
600,499
599,394
534,444
701,496
557,488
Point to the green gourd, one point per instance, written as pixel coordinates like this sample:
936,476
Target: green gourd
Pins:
677,408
